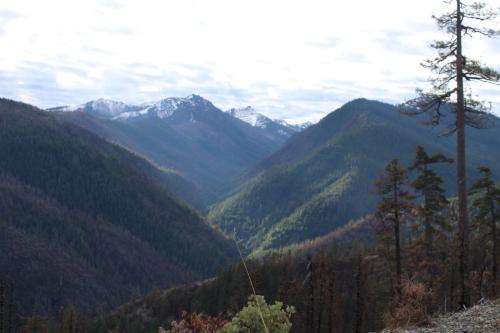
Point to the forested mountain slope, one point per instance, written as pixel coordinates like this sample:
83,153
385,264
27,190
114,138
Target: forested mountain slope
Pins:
87,222
323,177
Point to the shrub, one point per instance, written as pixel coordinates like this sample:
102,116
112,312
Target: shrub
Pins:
414,307
195,323
249,320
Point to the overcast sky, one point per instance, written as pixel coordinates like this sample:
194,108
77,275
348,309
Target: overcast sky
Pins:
295,60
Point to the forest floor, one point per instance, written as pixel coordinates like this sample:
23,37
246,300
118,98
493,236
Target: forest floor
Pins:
482,318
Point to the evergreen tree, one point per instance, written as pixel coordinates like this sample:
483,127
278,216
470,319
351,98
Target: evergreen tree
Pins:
428,184
7,311
396,203
487,213
451,68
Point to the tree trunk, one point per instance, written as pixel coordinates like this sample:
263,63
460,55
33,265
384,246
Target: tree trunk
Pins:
462,192
398,260
359,299
494,267
427,232
331,307
397,243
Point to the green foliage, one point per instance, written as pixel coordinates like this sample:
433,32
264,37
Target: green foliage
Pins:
488,195
396,204
250,318
487,214
429,185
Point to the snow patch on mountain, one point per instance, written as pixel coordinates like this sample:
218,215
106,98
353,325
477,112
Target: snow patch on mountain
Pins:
131,115
165,107
295,127
64,108
107,107
115,110
250,116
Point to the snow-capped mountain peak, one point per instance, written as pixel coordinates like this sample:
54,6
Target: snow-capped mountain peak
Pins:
167,107
106,107
250,116
256,119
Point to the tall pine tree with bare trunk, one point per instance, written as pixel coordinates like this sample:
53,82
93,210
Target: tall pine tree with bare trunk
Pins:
395,206
448,92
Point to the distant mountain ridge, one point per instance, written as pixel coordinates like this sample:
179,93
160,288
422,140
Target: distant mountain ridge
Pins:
205,145
116,110
323,176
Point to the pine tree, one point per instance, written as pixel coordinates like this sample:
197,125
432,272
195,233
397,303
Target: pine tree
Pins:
487,213
358,321
448,92
391,211
6,306
428,184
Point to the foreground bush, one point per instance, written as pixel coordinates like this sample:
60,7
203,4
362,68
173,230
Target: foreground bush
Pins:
196,323
249,319
414,307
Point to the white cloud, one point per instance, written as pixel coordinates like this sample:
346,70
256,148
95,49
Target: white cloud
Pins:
303,57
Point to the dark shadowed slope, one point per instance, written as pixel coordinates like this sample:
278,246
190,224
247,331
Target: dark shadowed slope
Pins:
109,229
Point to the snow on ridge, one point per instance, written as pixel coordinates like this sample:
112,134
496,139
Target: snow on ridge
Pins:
166,107
107,107
131,114
250,116
64,108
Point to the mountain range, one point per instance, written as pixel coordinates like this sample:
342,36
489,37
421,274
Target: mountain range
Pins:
86,222
323,176
207,147
92,198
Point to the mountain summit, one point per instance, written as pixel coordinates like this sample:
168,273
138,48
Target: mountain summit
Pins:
276,129
250,116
